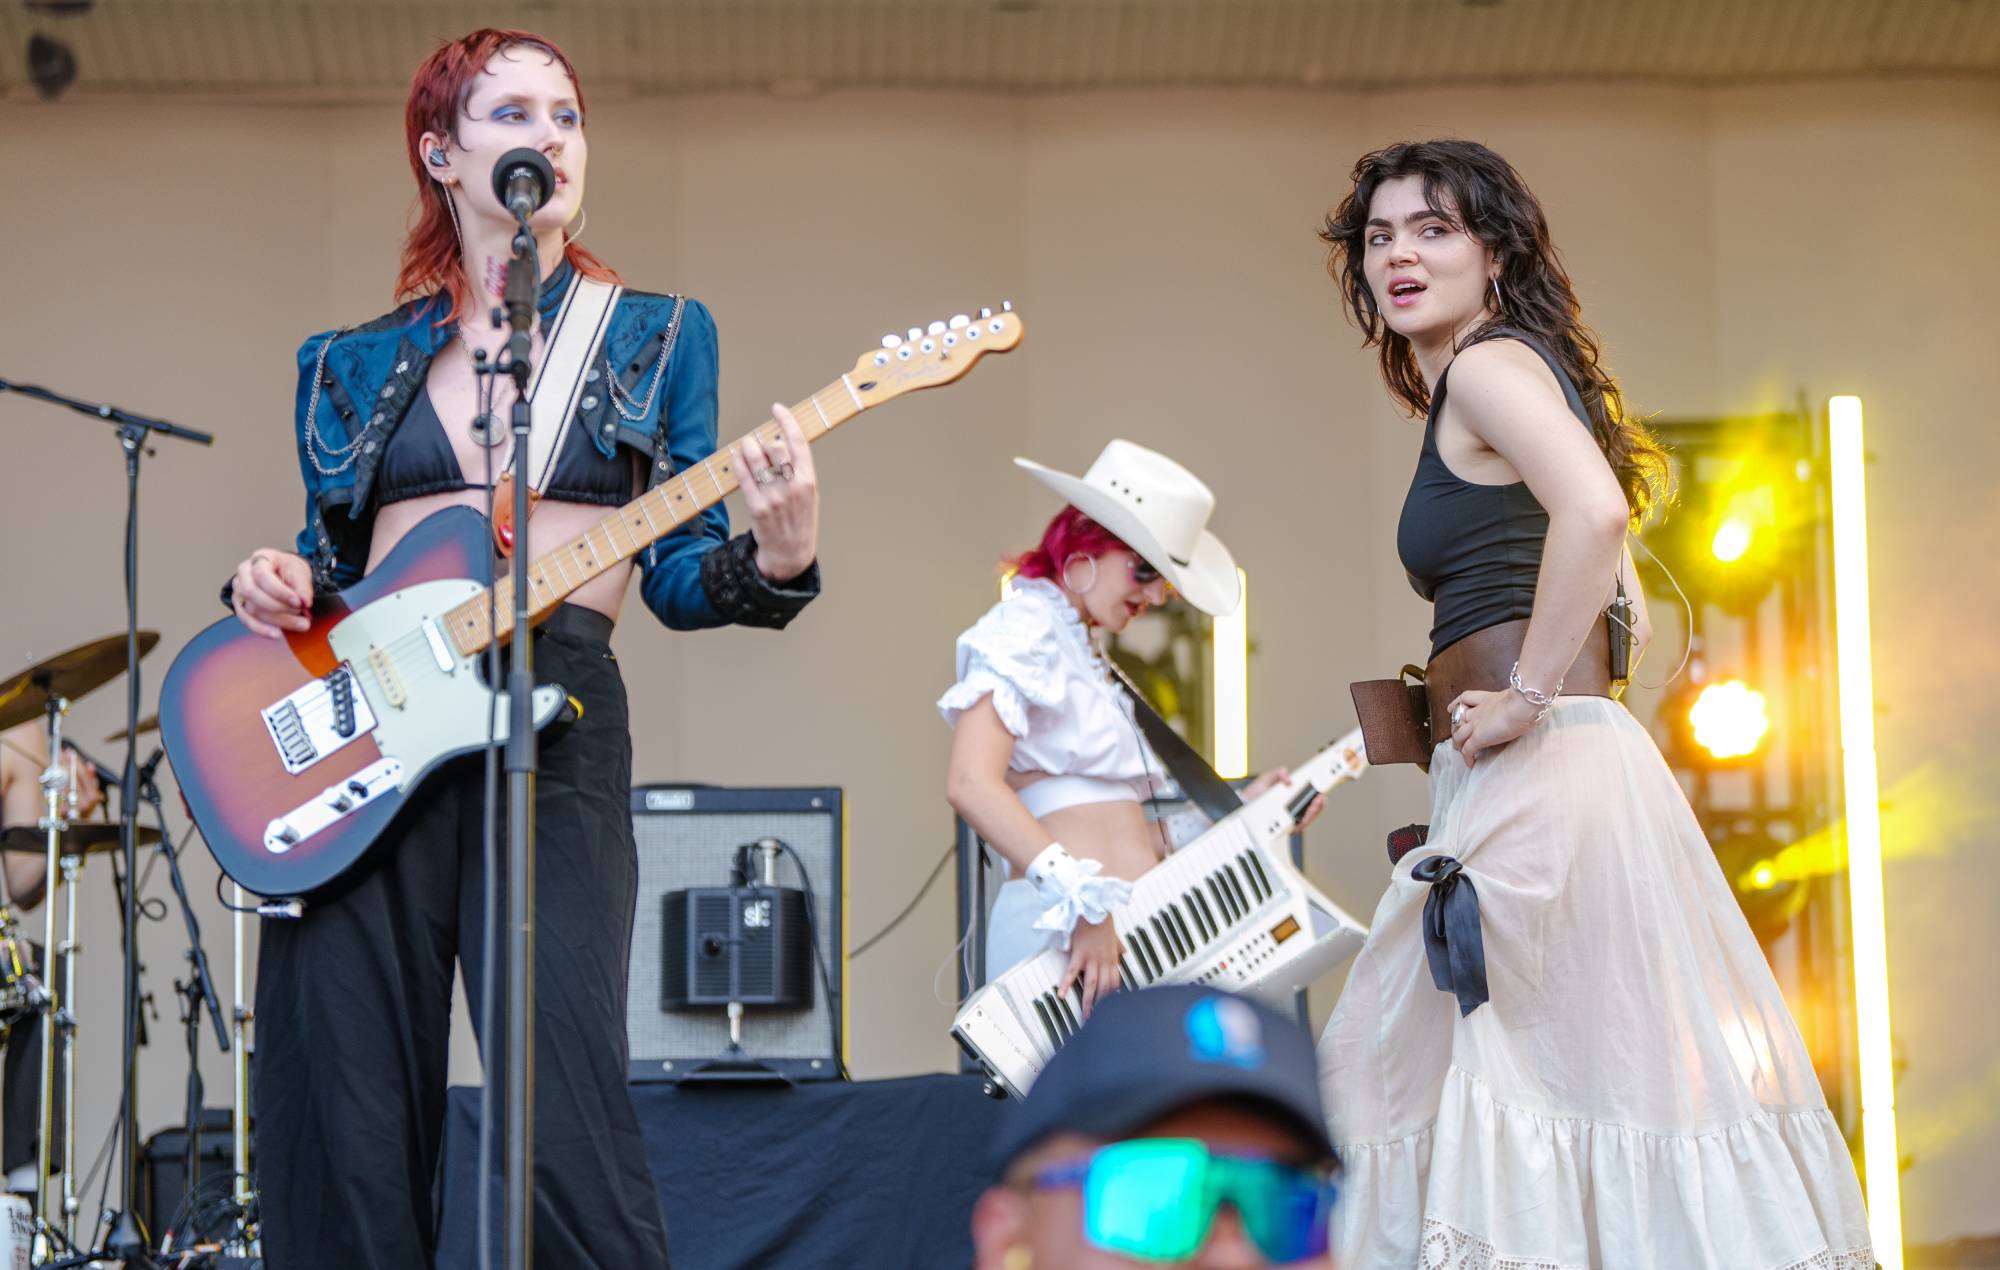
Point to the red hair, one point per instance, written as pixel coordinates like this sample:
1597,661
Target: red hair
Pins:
1070,533
438,93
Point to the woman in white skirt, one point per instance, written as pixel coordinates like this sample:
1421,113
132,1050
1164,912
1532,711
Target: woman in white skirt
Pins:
1609,1077
1047,761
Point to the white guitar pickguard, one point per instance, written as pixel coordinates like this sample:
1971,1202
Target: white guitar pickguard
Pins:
443,711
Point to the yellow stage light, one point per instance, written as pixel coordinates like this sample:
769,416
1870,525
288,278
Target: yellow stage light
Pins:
1732,539
1864,829
1230,639
1763,876
1729,719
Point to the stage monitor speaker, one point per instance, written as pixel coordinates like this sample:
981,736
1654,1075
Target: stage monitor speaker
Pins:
689,838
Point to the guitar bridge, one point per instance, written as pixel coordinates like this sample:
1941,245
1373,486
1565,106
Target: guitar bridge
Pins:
318,719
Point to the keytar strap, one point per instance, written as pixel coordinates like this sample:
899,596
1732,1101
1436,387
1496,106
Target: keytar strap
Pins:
1184,763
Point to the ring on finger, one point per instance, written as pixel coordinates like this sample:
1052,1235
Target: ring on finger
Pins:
762,475
783,471
1458,714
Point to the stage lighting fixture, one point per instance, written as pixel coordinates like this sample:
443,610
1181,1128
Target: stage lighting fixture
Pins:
51,66
1732,539
1746,518
1229,638
1748,857
1729,719
1856,675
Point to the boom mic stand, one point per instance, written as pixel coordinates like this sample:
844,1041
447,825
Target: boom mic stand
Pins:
523,279
127,1243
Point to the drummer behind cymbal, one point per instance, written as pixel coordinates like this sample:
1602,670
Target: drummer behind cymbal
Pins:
23,757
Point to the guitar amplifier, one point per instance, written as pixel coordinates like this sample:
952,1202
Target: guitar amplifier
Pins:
690,837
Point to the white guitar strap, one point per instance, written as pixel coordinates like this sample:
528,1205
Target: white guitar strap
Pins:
570,347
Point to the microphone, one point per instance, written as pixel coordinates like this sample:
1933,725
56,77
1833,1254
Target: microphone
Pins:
150,766
523,179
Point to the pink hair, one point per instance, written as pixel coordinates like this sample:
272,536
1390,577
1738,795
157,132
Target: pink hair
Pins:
1070,533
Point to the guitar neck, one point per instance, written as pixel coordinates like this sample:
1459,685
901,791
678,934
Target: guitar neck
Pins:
635,526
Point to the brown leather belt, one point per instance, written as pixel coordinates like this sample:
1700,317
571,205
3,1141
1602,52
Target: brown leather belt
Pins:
1400,722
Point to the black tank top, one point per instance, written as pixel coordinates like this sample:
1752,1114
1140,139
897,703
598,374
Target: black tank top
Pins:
419,460
1473,550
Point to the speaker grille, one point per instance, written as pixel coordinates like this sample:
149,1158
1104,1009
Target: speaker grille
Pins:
686,839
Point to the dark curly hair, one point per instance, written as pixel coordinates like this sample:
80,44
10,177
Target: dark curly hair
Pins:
1493,204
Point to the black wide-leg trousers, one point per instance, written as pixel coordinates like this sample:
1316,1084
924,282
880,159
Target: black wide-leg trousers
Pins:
354,1002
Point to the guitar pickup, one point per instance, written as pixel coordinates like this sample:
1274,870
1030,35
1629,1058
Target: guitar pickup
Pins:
318,719
331,805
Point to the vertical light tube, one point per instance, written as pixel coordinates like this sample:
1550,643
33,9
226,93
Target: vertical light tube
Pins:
1230,709
1864,829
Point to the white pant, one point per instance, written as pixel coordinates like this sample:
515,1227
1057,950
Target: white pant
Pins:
1011,937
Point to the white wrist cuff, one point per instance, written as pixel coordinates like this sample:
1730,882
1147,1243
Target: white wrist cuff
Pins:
1072,891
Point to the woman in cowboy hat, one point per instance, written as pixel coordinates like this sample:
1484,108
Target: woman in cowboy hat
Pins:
1047,761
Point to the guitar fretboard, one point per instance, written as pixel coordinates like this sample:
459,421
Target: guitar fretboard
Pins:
635,526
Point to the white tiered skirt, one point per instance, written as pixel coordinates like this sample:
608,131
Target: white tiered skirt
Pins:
1634,1095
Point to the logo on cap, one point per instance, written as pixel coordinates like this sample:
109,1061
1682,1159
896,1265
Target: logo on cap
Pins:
1225,1030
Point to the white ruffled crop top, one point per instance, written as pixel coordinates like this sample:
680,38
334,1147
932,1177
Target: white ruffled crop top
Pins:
1053,690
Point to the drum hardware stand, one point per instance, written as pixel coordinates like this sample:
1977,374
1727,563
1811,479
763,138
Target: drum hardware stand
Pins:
127,1243
58,798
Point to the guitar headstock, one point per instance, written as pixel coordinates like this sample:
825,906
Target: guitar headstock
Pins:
925,357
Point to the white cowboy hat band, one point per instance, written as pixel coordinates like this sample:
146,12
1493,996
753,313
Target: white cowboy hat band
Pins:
1160,510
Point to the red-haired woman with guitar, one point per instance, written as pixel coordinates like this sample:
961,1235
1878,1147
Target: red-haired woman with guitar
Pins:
398,460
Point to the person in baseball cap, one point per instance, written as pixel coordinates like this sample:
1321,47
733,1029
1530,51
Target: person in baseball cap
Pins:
1180,1126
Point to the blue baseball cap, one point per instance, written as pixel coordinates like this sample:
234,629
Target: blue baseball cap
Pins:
1146,1054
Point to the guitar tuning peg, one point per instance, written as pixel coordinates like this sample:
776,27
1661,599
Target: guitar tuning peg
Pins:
985,313
1006,306
959,322
916,333
892,340
936,328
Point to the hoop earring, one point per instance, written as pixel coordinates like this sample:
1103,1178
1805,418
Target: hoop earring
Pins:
1499,306
1072,559
568,238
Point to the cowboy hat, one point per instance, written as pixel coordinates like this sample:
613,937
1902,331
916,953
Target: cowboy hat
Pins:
1160,510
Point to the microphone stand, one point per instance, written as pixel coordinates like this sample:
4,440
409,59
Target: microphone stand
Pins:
127,1243
523,280
197,992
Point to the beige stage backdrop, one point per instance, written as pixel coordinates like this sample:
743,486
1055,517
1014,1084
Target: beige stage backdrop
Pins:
1734,247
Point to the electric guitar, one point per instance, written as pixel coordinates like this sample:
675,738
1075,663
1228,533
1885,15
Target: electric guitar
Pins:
293,756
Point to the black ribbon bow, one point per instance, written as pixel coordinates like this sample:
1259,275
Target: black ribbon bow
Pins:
1452,942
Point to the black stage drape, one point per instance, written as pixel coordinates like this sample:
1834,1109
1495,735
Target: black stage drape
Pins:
877,1174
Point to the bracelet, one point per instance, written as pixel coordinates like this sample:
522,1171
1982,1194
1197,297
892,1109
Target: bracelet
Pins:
1540,700
1072,891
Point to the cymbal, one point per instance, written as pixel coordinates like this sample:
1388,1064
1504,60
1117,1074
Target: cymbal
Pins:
151,723
79,839
68,674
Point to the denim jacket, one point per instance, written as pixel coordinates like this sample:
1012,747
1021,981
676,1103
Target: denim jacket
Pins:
368,376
